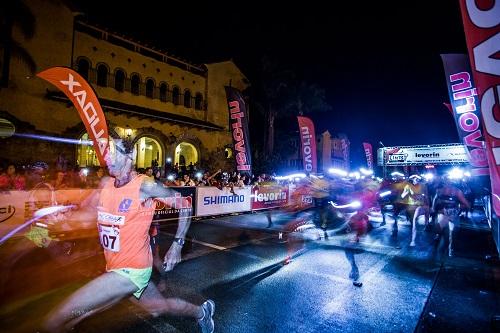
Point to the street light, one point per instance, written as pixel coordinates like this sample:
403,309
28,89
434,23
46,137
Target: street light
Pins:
128,131
384,170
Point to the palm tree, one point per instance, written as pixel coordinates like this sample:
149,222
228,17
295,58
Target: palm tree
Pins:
283,95
15,13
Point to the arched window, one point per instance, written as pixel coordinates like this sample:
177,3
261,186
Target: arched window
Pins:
102,75
198,101
186,153
149,152
119,80
150,88
175,95
135,82
83,68
187,98
163,92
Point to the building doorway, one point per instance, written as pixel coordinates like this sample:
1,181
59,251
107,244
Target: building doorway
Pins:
149,153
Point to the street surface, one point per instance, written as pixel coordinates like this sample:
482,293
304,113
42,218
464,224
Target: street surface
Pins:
240,263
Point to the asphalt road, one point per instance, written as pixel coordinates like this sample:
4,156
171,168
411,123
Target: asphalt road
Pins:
240,263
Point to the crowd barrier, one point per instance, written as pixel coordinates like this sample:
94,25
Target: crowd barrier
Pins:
16,207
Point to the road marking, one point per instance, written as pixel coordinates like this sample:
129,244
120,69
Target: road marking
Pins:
228,249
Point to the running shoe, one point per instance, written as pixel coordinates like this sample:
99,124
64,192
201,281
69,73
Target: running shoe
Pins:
207,322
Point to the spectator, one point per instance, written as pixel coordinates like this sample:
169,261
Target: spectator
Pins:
38,174
187,181
10,180
149,172
60,182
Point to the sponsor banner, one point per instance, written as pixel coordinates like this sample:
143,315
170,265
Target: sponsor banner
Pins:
369,154
482,36
168,208
269,196
212,201
81,93
238,124
421,155
307,144
17,207
465,109
300,199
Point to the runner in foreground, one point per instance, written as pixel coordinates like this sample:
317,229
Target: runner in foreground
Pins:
124,212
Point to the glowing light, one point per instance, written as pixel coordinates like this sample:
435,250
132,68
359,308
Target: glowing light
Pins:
355,174
467,174
397,174
455,173
199,175
428,176
55,139
338,172
170,177
354,204
366,172
292,176
384,194
85,171
169,159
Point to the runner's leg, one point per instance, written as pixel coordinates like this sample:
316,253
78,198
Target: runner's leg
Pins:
97,295
154,303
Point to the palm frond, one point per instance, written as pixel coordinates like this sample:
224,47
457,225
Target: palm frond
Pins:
22,55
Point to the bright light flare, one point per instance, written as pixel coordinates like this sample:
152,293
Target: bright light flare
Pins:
455,173
292,176
397,174
354,204
366,172
428,176
338,172
55,139
384,194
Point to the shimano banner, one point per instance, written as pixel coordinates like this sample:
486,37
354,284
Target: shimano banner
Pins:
466,110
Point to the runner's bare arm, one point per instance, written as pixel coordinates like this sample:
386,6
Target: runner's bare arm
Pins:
463,200
157,190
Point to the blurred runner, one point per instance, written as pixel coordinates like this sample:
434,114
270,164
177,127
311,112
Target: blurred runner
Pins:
124,213
447,203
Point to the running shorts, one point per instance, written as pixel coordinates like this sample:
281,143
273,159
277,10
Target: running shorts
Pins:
139,276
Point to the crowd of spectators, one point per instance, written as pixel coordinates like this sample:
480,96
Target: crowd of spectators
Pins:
26,177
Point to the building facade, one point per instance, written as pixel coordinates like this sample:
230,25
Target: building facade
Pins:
173,111
334,152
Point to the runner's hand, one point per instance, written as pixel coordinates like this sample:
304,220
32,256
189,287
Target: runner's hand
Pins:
173,257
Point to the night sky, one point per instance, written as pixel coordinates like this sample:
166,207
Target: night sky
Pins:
379,63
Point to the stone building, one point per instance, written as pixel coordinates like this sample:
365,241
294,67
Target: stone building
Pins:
174,111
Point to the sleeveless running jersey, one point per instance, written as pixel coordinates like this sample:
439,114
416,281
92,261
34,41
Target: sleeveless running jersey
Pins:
123,222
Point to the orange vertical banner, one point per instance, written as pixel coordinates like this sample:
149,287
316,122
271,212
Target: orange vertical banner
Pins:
83,96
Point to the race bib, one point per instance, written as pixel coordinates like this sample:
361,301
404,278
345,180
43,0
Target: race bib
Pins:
107,218
109,236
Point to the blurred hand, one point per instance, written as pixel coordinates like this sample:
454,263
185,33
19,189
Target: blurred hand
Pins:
172,257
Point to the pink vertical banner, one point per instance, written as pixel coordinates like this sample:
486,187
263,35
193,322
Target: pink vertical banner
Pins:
308,144
464,105
369,154
481,21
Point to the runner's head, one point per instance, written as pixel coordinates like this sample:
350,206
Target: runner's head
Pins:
120,159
